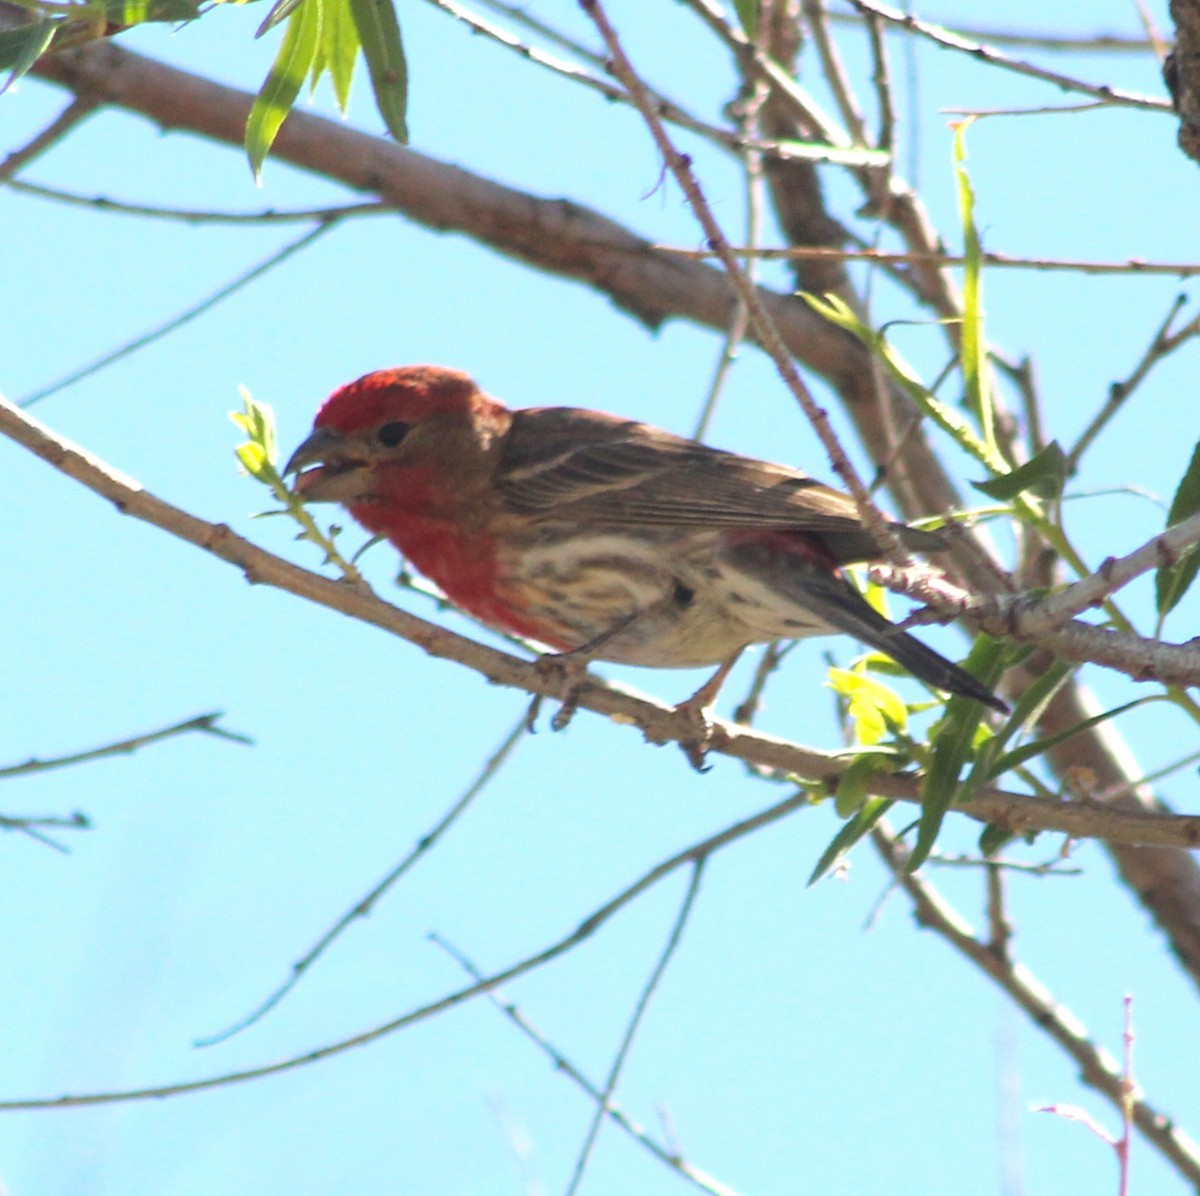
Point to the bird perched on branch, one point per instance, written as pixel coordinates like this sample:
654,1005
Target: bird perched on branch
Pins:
600,536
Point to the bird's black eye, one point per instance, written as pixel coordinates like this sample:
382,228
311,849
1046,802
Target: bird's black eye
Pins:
390,434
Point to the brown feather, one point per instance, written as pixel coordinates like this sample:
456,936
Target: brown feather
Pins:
585,465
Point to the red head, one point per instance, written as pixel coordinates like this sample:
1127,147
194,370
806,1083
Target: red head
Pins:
396,436
411,393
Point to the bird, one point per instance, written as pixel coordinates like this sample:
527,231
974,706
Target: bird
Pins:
600,537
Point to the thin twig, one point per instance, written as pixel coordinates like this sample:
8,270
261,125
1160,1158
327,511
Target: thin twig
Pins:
185,317
936,258
748,116
765,331
1065,43
747,709
1000,931
639,1011
101,203
882,79
1022,617
33,828
1162,344
668,1154
206,724
585,929
977,50
367,903
816,13
670,110
1098,1069
77,110
657,721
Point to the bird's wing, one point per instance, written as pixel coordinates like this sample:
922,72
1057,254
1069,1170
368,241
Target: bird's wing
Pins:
586,465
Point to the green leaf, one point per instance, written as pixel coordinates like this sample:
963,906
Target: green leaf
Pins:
747,11
953,747
252,458
1043,475
1027,751
339,40
1172,581
974,346
840,314
1028,710
283,82
280,11
259,455
379,32
20,48
862,822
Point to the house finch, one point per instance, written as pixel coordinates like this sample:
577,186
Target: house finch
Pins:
597,535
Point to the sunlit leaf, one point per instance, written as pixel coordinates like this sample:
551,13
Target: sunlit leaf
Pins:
379,32
283,83
873,708
339,40
974,345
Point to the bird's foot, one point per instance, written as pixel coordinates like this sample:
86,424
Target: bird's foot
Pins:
567,673
697,734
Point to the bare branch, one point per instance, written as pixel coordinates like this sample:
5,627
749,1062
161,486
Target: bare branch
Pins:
658,722
817,253
765,332
364,905
688,857
205,724
178,321
670,1156
77,110
952,41
1097,1068
643,1003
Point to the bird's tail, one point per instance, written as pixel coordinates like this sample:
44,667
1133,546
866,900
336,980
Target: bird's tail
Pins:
836,603
850,613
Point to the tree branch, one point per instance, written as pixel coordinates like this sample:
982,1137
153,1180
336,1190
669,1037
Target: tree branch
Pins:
658,722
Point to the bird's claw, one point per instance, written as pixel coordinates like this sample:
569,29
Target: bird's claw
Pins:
567,674
698,734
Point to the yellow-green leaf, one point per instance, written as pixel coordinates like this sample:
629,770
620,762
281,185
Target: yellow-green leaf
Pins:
283,82
339,40
874,708
252,458
379,33
974,346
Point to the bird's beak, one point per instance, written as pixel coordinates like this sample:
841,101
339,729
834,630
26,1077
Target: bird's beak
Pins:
336,474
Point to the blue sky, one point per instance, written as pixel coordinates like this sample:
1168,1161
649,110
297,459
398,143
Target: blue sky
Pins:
789,1049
